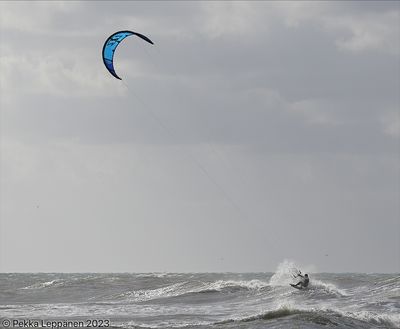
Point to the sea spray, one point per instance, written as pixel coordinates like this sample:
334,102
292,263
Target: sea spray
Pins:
283,275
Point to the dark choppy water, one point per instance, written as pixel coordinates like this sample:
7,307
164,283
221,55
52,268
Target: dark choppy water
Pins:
223,300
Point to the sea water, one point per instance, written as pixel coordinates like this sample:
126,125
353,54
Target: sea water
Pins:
200,300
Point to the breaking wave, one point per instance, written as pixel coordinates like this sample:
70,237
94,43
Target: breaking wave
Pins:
323,317
187,288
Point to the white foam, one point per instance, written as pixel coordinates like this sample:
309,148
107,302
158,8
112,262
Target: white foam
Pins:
41,285
329,288
181,288
373,317
284,274
221,284
148,294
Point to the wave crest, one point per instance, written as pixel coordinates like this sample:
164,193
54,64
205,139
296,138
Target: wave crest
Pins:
41,285
186,288
322,317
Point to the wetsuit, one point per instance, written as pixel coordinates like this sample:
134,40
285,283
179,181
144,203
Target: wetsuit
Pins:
304,282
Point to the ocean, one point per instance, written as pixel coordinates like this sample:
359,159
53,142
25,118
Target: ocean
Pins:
199,300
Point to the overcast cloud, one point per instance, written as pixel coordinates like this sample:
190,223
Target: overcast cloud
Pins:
250,132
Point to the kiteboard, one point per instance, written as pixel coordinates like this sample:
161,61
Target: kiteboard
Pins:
296,287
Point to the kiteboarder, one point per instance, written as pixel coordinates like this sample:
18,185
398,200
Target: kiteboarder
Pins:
303,283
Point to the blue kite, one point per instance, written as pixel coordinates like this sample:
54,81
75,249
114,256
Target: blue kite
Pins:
112,43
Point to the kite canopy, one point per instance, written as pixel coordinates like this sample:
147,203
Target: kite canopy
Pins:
112,43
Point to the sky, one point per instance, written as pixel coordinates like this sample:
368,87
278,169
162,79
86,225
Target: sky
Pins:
249,133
